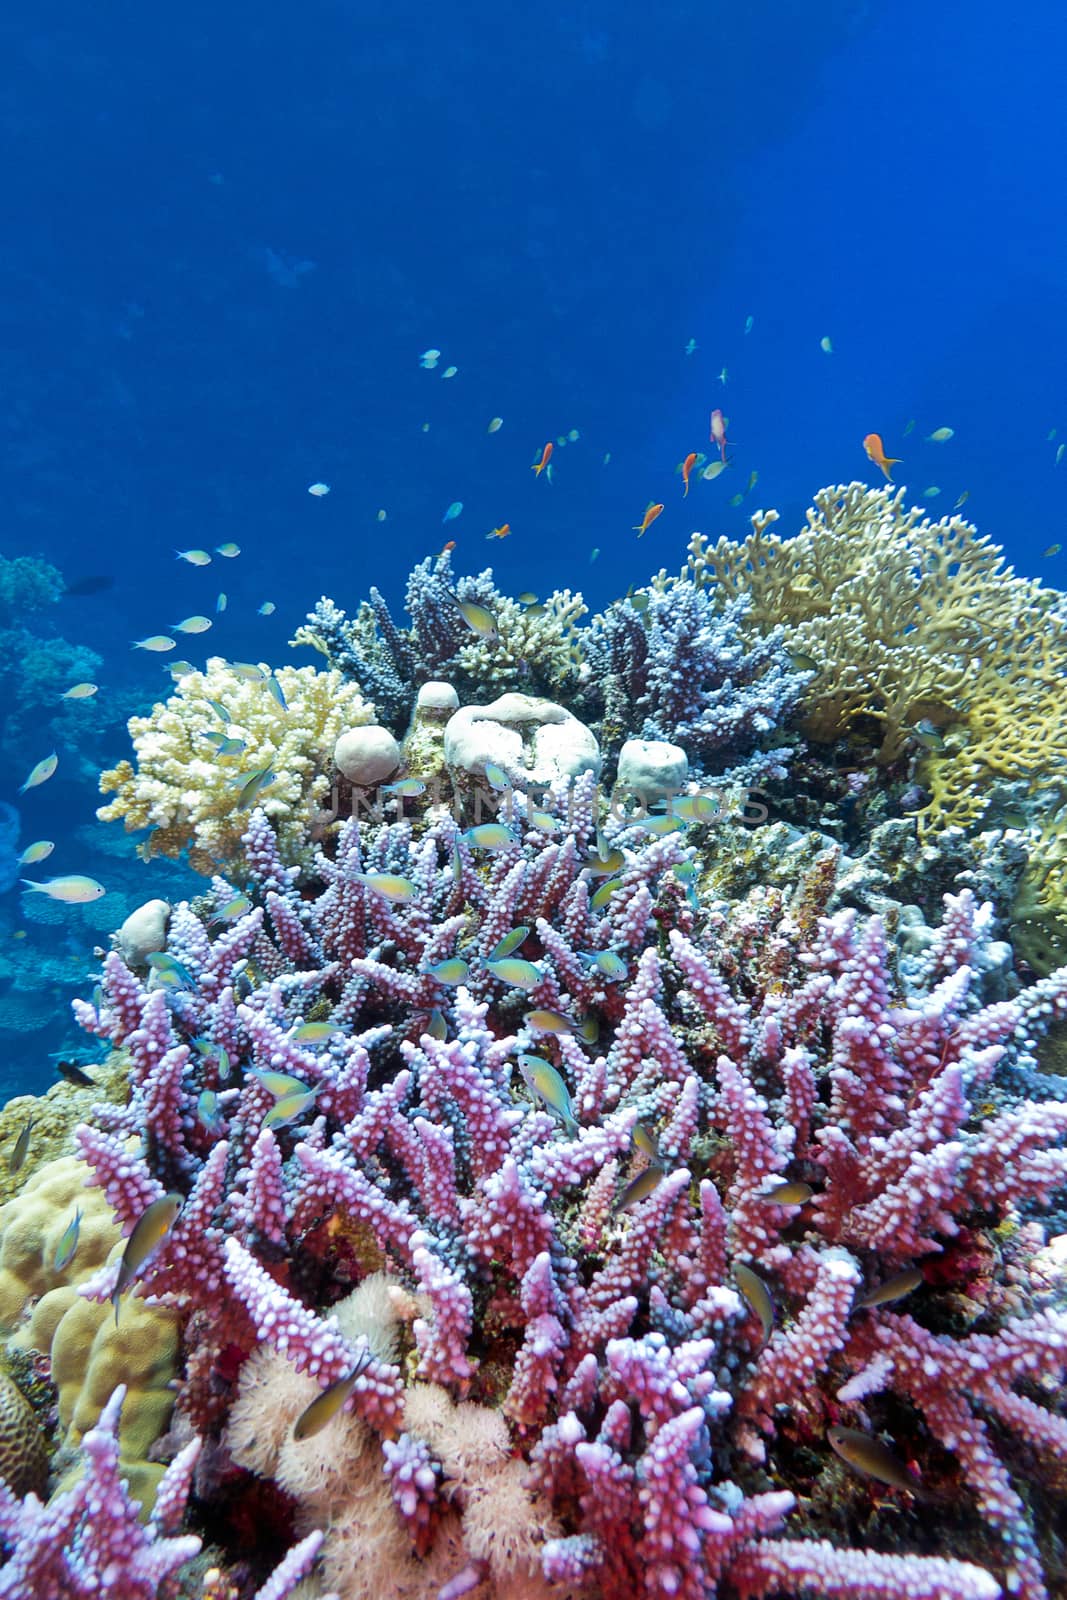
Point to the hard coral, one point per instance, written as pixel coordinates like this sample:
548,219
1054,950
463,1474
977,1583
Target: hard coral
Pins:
538,653
188,795
905,618
603,1334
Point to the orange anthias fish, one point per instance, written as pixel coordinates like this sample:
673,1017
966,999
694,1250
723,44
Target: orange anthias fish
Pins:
546,456
718,431
872,443
647,520
687,466
501,532
445,548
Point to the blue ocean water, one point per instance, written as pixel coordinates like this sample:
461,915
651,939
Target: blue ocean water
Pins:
229,232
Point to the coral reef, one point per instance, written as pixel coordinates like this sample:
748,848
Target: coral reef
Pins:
534,649
596,1204
193,798
682,669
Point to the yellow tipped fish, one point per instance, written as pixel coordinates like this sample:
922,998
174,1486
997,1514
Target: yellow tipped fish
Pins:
646,1183
68,1243
40,773
542,1077
72,890
150,1229
548,1021
289,1107
398,891
509,944
605,866
695,807
329,1404
478,618
451,972
490,836
279,1084
20,1149
38,851
894,1288
645,1140
605,892
788,1194
758,1296
870,1456
516,972
315,1032
80,691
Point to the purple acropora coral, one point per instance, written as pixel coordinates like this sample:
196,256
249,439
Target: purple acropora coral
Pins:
680,670
674,1289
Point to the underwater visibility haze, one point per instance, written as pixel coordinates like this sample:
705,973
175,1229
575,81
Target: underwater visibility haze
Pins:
533,826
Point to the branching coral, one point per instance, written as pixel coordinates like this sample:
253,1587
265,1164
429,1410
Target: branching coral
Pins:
190,795
536,652
756,1045
686,670
905,618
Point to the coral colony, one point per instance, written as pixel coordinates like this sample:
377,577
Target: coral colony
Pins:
544,1166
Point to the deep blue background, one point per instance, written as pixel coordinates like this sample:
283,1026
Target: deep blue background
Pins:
557,198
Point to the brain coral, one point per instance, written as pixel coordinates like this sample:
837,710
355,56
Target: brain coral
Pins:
190,795
23,1456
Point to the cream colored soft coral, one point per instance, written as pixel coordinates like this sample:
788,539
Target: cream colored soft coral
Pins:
190,795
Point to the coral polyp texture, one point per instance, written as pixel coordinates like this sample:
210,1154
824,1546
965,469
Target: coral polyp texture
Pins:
191,796
545,1217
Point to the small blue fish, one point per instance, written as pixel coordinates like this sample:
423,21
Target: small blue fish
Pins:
207,1111
220,710
274,689
453,511
315,1032
231,910
289,1107
607,963
452,971
231,747
398,891
170,970
543,821
542,1077
509,944
490,836
496,777
696,807
406,788
68,1243
516,972
437,1027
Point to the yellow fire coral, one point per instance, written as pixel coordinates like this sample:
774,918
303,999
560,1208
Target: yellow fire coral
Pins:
191,795
904,618
907,619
